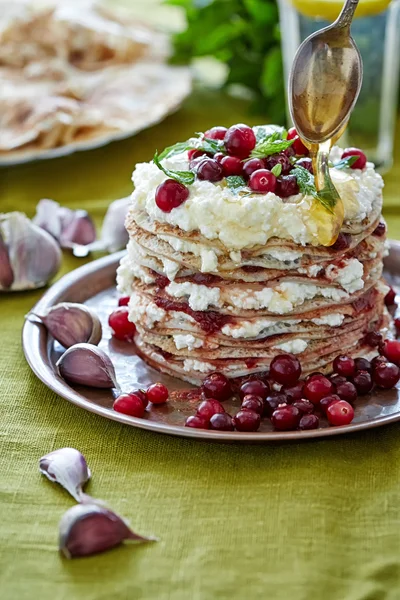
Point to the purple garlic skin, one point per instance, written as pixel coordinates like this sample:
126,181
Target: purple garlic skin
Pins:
68,467
86,364
29,253
70,323
87,529
80,231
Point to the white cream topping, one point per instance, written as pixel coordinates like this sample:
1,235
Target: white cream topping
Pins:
350,277
285,255
295,346
145,312
200,297
187,341
252,329
209,259
333,320
197,365
242,221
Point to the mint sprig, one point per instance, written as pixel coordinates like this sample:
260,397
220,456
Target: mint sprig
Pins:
347,162
327,197
184,177
277,170
271,144
175,149
236,183
206,145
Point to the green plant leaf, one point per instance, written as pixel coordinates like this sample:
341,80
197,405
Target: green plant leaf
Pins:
347,162
175,149
277,170
272,144
235,182
184,177
327,197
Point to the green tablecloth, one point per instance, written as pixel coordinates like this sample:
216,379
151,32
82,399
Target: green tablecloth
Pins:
317,520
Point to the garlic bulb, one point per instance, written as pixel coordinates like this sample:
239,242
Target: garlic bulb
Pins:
71,324
87,529
29,256
67,467
86,364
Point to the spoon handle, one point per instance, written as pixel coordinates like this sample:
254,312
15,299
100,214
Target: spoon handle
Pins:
346,16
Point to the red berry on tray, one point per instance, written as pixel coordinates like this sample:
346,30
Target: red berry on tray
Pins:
286,418
129,404
231,165
309,422
337,379
274,402
122,328
210,170
317,388
262,181
254,403
373,338
344,365
221,422
217,386
362,364
362,381
216,133
340,413
391,349
247,420
157,393
196,422
285,369
240,140
304,406
140,394
386,375
390,297
347,391
297,145
208,408
377,361
254,387
293,392
170,194
397,325
286,186
124,301
360,162
254,164
327,401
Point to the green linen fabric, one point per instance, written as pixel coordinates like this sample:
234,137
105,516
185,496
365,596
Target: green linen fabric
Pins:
295,521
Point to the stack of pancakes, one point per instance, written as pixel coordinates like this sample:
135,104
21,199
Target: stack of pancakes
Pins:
199,307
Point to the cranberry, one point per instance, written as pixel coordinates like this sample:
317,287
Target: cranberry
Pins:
342,243
390,297
254,403
347,391
293,392
254,387
218,156
379,230
123,329
362,364
208,408
309,422
279,159
386,375
221,421
129,404
196,422
209,170
317,388
285,369
312,375
287,186
362,381
240,140
340,413
377,361
337,379
124,301
327,401
262,181
297,145
171,194
247,420
397,325
254,164
289,152
391,349
231,165
344,365
361,160
195,162
216,133
306,163
373,338
274,402
192,154
286,418
304,406
217,386
157,393
140,394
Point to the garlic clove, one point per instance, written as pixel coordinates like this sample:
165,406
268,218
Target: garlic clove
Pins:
113,233
6,272
79,231
86,364
68,467
34,255
87,529
70,323
48,217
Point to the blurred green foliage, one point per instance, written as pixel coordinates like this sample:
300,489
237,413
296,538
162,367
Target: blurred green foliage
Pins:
243,34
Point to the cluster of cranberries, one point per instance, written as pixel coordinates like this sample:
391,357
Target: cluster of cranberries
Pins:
134,404
299,403
122,328
238,142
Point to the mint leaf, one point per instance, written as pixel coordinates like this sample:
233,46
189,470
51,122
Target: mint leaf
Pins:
327,197
211,146
346,162
235,182
277,169
272,144
206,145
175,149
184,177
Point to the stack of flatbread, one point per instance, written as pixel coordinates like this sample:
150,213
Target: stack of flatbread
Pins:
72,72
